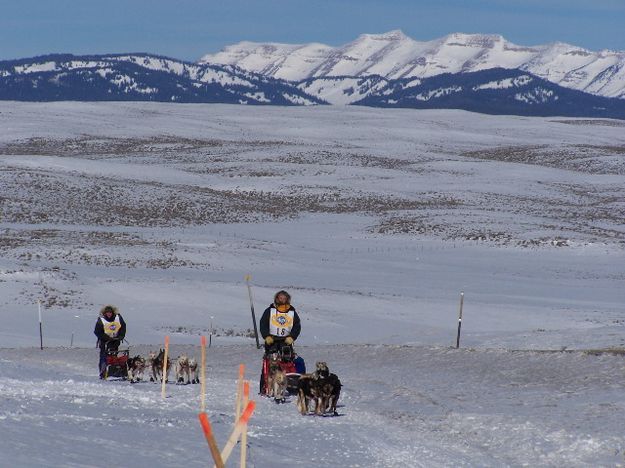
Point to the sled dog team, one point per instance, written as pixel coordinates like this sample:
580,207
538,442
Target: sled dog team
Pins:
186,368
280,326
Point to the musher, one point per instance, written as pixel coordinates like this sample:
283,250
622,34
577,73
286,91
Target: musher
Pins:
110,329
279,323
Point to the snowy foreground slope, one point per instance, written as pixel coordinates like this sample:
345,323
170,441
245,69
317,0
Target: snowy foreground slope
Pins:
401,406
374,220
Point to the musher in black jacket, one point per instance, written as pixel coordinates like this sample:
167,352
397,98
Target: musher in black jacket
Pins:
110,329
279,323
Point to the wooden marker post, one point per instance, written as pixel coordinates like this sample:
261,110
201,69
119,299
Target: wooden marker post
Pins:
460,320
163,380
203,376
210,438
246,399
40,324
238,429
239,392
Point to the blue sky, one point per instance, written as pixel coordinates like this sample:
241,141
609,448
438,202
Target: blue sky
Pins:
188,29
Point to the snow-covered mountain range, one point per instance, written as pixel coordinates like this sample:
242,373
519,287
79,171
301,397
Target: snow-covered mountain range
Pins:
394,55
492,91
140,77
145,77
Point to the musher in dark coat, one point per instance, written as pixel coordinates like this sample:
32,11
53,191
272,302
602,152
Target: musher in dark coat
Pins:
280,326
110,329
279,323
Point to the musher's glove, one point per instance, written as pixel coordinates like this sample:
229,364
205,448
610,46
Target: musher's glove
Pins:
288,340
269,340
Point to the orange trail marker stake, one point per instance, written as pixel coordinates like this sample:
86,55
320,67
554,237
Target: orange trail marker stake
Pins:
246,392
210,438
239,392
238,429
246,398
164,367
203,375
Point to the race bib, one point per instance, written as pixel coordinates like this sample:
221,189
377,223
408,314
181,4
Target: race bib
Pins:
111,328
280,324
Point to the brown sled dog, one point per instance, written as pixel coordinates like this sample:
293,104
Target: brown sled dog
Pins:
276,380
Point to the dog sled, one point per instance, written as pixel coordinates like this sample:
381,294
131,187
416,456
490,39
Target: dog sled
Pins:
116,361
283,356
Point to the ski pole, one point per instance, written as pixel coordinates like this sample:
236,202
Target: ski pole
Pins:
460,320
249,292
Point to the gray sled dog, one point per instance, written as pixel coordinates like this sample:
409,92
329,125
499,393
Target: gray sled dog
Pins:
193,371
183,373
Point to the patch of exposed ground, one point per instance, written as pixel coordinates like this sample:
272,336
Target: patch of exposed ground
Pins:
599,122
573,213
37,196
312,180
101,248
590,159
87,146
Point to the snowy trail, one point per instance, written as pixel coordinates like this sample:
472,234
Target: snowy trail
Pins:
401,406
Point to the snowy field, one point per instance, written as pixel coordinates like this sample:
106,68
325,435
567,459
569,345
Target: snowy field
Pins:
375,220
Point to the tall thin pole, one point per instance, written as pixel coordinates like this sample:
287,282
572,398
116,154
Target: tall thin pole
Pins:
249,292
40,325
210,333
203,375
460,320
237,413
164,376
246,399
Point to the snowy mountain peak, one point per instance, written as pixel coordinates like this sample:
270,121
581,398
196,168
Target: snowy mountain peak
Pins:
394,35
473,40
394,55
